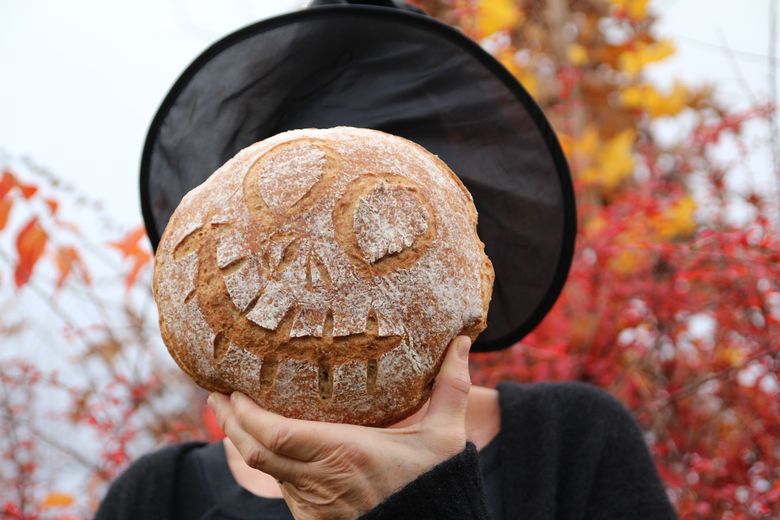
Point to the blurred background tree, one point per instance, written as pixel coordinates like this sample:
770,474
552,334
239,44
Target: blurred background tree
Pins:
672,304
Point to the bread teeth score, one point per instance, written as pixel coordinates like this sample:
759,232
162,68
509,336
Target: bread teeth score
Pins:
323,273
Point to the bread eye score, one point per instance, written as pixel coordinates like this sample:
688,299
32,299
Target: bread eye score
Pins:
323,272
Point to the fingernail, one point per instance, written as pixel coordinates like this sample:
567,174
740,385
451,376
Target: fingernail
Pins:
210,400
464,345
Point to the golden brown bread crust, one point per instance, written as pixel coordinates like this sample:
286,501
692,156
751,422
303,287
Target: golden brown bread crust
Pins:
323,273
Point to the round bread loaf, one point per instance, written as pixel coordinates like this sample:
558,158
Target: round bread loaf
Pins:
323,273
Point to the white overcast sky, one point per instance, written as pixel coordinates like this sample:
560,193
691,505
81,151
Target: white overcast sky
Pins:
80,80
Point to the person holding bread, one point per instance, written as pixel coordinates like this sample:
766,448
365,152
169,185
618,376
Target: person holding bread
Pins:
345,202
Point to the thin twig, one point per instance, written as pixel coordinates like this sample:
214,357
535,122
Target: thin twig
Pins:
11,420
78,457
735,67
721,374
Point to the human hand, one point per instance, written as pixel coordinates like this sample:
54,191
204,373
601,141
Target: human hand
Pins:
341,471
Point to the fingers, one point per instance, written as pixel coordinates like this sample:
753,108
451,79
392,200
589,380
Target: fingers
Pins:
450,396
293,438
252,450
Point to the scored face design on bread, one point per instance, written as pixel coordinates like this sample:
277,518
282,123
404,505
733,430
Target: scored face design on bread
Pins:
323,272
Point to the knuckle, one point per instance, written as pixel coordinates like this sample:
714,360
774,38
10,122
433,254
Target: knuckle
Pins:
304,482
458,383
256,456
280,437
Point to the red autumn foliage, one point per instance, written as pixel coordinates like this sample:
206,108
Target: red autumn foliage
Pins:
100,399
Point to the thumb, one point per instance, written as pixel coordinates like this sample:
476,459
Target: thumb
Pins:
450,396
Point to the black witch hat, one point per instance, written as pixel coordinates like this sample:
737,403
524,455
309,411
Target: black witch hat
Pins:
387,66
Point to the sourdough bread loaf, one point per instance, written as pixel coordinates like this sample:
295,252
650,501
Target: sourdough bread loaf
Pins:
323,272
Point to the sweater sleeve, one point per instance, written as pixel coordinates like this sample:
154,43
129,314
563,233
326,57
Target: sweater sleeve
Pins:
451,489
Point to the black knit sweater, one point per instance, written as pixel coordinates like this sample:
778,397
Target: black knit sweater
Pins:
568,451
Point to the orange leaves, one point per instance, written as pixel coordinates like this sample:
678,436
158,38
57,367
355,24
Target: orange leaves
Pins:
30,244
67,258
57,500
53,205
43,233
5,210
131,249
129,245
9,182
32,239
28,190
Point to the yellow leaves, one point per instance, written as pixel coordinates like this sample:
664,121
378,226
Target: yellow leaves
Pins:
677,220
625,262
646,97
636,236
634,9
634,60
583,147
673,222
577,54
57,500
612,162
529,80
605,164
496,15
523,74
630,247
594,225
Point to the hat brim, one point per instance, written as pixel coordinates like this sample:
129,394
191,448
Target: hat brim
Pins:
402,73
